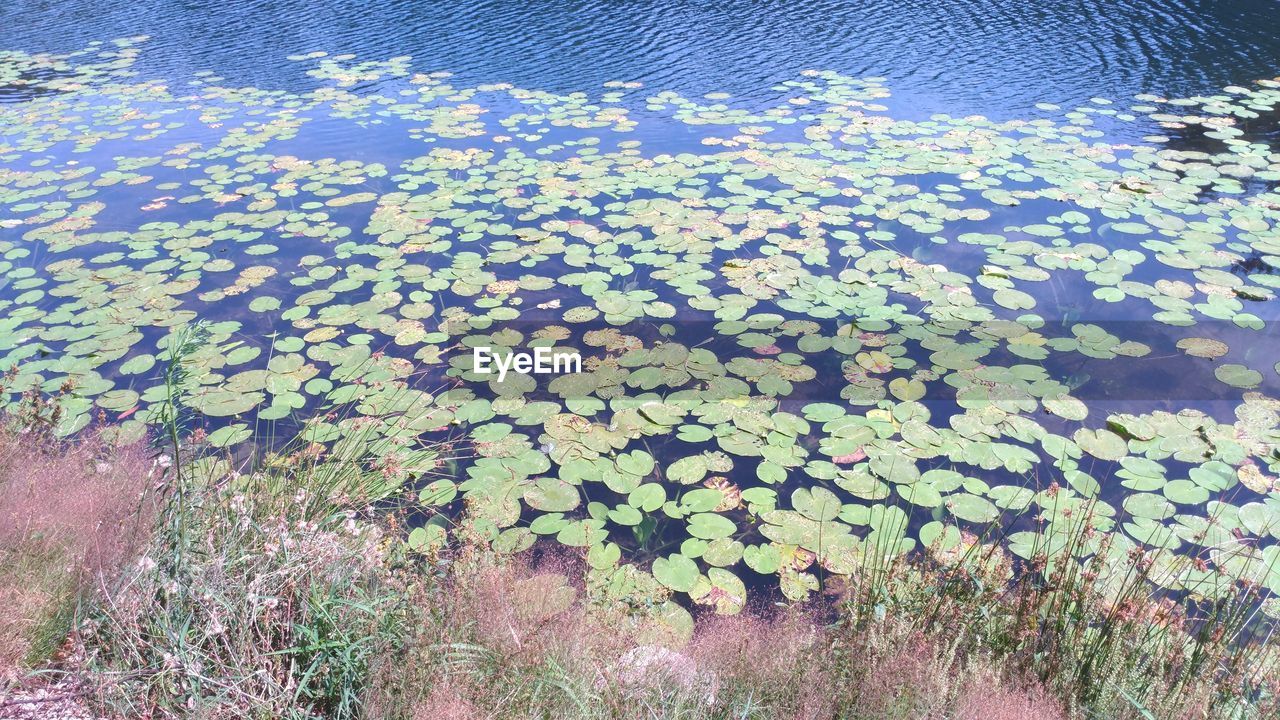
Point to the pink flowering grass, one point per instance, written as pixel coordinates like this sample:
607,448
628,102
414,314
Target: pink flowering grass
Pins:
984,696
70,513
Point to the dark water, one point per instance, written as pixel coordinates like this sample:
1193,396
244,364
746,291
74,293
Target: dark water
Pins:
992,57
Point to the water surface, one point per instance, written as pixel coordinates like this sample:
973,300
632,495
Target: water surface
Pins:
956,56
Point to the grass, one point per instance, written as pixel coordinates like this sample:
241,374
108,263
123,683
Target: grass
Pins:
264,592
510,638
1101,642
924,639
285,590
70,515
275,610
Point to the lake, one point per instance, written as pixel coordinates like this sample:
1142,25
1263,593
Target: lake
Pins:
955,56
845,279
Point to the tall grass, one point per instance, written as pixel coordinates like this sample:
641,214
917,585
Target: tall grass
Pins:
286,605
507,637
1095,629
276,610
70,514
935,635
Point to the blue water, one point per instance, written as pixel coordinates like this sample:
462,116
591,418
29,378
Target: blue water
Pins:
992,57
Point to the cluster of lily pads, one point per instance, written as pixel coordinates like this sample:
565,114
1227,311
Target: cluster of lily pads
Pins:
812,334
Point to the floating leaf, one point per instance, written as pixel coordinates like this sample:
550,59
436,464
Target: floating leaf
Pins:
676,572
1202,347
1102,444
1238,375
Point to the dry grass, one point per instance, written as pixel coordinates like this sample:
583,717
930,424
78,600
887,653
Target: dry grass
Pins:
985,696
506,637
297,608
70,514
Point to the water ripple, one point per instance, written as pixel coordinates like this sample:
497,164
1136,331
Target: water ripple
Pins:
989,56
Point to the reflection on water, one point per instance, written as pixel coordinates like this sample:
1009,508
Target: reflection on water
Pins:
959,56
